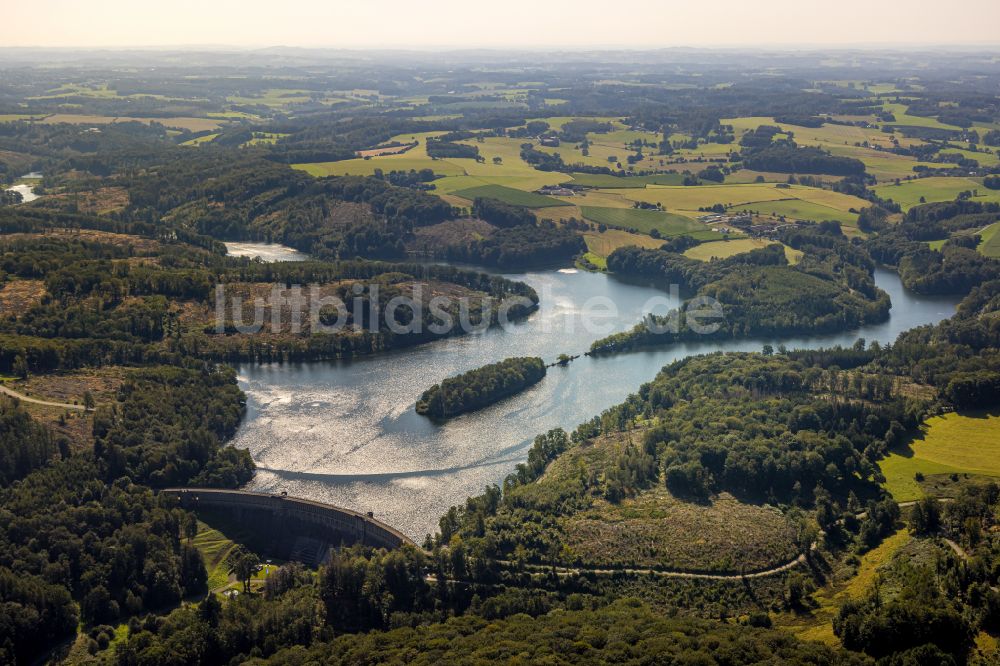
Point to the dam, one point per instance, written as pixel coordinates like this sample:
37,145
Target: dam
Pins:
292,528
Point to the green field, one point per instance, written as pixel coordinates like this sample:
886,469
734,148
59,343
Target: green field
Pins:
510,195
363,167
602,243
200,140
990,245
807,210
618,182
12,117
274,97
949,444
796,201
457,173
646,220
265,138
904,119
734,246
933,189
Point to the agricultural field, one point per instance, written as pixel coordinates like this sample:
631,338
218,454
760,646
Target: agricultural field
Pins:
746,176
904,119
264,138
602,243
273,97
841,139
986,159
197,141
734,246
510,196
193,124
13,117
457,173
936,188
646,221
599,199
795,201
608,181
948,444
990,245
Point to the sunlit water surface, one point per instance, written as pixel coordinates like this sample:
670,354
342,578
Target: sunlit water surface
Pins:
346,433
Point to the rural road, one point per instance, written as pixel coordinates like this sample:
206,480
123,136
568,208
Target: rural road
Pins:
14,394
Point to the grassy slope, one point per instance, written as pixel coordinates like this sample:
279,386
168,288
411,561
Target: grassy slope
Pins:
797,201
644,220
990,245
818,624
734,246
510,195
936,188
952,443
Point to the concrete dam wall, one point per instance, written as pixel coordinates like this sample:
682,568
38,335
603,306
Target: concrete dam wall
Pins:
295,528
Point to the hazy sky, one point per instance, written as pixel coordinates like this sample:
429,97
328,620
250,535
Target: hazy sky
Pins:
506,23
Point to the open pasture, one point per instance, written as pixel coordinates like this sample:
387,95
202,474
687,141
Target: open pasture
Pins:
510,195
796,201
619,182
734,246
951,443
903,118
193,124
935,188
646,221
603,243
990,245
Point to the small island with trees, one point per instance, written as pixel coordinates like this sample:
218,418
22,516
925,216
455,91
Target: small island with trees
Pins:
480,387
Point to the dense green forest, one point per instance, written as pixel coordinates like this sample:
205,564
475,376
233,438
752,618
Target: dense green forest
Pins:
480,387
831,289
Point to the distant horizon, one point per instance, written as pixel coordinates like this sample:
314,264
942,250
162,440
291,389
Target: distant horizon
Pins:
597,48
517,24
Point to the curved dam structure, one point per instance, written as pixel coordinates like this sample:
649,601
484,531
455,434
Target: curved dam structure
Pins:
293,528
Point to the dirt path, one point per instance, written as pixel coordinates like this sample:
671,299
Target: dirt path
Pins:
671,573
36,401
562,572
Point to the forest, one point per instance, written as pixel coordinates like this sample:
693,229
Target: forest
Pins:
760,294
480,387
